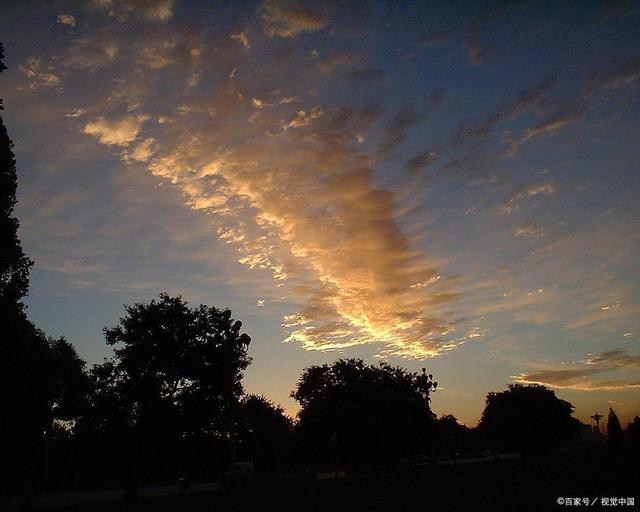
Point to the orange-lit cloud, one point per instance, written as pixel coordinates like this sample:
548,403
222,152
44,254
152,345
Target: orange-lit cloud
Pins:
288,19
67,19
119,132
584,376
123,10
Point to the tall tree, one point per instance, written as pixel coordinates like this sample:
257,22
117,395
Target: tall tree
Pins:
41,379
359,413
528,418
14,265
177,372
614,430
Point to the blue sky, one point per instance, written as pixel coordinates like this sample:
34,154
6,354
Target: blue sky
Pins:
447,185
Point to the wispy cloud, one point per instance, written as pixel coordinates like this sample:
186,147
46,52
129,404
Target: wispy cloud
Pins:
584,376
123,10
40,75
289,19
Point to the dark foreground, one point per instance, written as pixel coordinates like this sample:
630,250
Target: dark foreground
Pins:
521,484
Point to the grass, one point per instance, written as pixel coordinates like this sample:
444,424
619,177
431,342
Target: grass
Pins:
531,484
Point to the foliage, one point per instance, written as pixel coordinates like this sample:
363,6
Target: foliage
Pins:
633,431
614,430
41,380
528,418
14,265
172,386
358,412
177,365
264,432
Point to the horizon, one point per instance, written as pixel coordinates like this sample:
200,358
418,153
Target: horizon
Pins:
455,189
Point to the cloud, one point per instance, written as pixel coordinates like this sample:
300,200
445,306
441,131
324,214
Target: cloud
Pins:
397,129
425,41
118,132
480,130
304,118
40,76
617,358
92,53
537,189
283,18
242,38
625,74
143,151
546,189
337,59
551,123
66,19
529,228
583,377
617,9
420,161
123,10
300,202
477,48
364,76
579,380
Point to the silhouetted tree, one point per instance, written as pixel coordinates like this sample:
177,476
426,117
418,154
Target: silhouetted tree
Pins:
451,436
41,380
14,265
528,418
264,432
352,412
633,432
614,431
176,375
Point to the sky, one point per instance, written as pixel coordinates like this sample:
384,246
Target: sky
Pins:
448,185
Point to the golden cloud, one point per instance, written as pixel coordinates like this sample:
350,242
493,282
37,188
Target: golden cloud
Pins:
118,132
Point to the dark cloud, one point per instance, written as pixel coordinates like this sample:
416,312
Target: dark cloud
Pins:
614,9
420,161
364,76
397,129
617,358
289,19
624,74
583,377
477,47
480,130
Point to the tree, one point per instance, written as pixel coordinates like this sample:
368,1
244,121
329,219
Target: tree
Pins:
41,380
633,431
528,418
452,437
358,413
176,373
14,265
614,431
264,432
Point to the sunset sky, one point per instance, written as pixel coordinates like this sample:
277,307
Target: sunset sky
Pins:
449,185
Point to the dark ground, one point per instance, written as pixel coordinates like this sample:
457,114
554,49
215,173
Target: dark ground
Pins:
523,484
